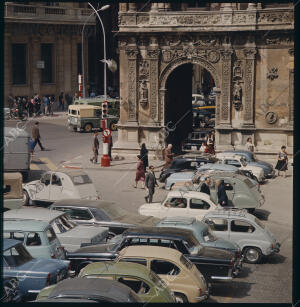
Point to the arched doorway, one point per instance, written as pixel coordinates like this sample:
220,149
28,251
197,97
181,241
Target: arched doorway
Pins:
190,106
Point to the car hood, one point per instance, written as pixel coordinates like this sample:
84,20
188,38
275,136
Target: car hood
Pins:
138,220
149,207
218,167
43,266
216,253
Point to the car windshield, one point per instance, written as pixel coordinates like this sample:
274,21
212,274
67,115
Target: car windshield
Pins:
259,223
81,179
16,256
157,280
248,183
62,224
186,262
100,215
208,236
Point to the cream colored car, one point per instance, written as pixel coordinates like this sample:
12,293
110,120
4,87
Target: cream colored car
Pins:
178,272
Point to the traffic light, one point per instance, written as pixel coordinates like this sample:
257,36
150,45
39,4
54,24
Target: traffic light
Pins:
104,109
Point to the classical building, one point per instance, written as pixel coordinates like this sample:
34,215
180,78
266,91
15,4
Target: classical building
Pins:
246,48
43,47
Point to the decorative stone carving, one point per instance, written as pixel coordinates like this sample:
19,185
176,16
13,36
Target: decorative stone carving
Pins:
167,55
237,95
132,53
271,117
143,93
237,71
205,42
153,53
275,17
143,19
213,56
273,73
144,70
127,20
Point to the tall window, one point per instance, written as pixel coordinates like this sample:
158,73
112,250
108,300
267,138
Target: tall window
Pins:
19,63
47,57
79,59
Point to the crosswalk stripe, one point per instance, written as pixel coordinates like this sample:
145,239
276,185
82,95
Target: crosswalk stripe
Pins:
49,164
34,167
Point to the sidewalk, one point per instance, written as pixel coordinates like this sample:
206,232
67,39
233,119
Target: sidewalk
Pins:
58,114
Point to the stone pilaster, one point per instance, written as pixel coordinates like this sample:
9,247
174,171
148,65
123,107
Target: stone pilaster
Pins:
123,7
67,66
36,73
249,78
7,66
132,7
74,73
60,65
291,90
154,7
252,6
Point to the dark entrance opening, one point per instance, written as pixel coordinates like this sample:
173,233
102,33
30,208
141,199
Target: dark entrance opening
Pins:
190,107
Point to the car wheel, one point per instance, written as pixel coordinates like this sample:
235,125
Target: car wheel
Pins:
113,127
26,198
88,127
252,254
180,298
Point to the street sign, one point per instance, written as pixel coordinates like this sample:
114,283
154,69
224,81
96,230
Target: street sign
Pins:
106,132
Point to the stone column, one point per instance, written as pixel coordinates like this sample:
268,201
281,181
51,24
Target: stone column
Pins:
252,6
123,7
132,7
154,7
36,73
7,66
161,6
291,89
67,84
73,70
226,7
249,74
60,65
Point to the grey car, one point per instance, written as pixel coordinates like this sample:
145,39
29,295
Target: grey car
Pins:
238,226
70,235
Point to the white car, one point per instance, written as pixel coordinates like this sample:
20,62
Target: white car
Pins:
53,186
240,162
179,203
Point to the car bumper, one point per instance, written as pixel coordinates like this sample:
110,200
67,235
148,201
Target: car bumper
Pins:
274,250
238,266
203,297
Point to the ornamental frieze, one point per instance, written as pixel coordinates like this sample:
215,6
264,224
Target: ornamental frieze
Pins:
132,54
275,17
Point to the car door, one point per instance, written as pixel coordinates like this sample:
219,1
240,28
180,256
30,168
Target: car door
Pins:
176,206
219,227
42,188
56,187
166,270
241,231
33,243
199,207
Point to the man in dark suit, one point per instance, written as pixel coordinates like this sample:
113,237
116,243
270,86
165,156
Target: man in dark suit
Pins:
205,186
36,136
94,159
150,184
222,196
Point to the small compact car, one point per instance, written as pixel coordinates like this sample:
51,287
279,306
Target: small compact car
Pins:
181,276
79,290
12,191
10,290
190,203
145,283
59,185
72,236
238,226
33,274
37,236
102,213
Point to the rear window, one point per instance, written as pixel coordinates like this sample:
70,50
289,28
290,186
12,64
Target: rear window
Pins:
248,183
50,234
81,179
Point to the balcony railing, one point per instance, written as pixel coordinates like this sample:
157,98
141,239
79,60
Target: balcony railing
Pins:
38,13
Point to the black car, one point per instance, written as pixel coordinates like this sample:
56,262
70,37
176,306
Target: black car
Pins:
102,213
215,264
187,162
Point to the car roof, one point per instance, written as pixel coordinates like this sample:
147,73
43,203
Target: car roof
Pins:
24,225
117,268
91,286
9,243
231,213
83,203
182,221
180,194
41,214
144,251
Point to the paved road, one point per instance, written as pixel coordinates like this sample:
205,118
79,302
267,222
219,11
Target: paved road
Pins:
269,282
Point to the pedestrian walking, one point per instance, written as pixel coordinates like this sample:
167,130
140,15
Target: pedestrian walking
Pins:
110,146
140,172
168,156
150,184
61,101
222,196
210,144
205,186
249,145
36,135
31,148
95,148
144,156
282,161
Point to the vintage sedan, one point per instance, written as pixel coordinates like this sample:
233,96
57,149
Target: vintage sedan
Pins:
72,236
33,274
179,273
102,213
238,226
178,203
95,291
12,191
59,185
250,157
145,283
215,264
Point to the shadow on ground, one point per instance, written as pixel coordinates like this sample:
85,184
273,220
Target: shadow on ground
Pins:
273,259
235,289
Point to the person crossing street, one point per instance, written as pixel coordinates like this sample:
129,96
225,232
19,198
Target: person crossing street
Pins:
36,136
94,159
150,184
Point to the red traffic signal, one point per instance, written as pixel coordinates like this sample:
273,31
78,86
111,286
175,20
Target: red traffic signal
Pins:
104,109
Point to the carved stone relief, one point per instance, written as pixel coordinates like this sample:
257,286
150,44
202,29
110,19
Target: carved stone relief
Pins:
278,17
143,70
273,73
271,117
237,95
143,93
237,71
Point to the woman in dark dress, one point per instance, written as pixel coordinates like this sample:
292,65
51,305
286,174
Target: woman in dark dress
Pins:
144,156
140,172
282,161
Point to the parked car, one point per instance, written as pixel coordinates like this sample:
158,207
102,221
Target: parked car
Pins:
10,290
102,213
70,235
87,118
252,159
240,162
64,184
201,231
12,191
177,203
215,264
16,151
37,236
145,283
180,274
238,226
94,290
241,192
33,274
195,138
187,162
